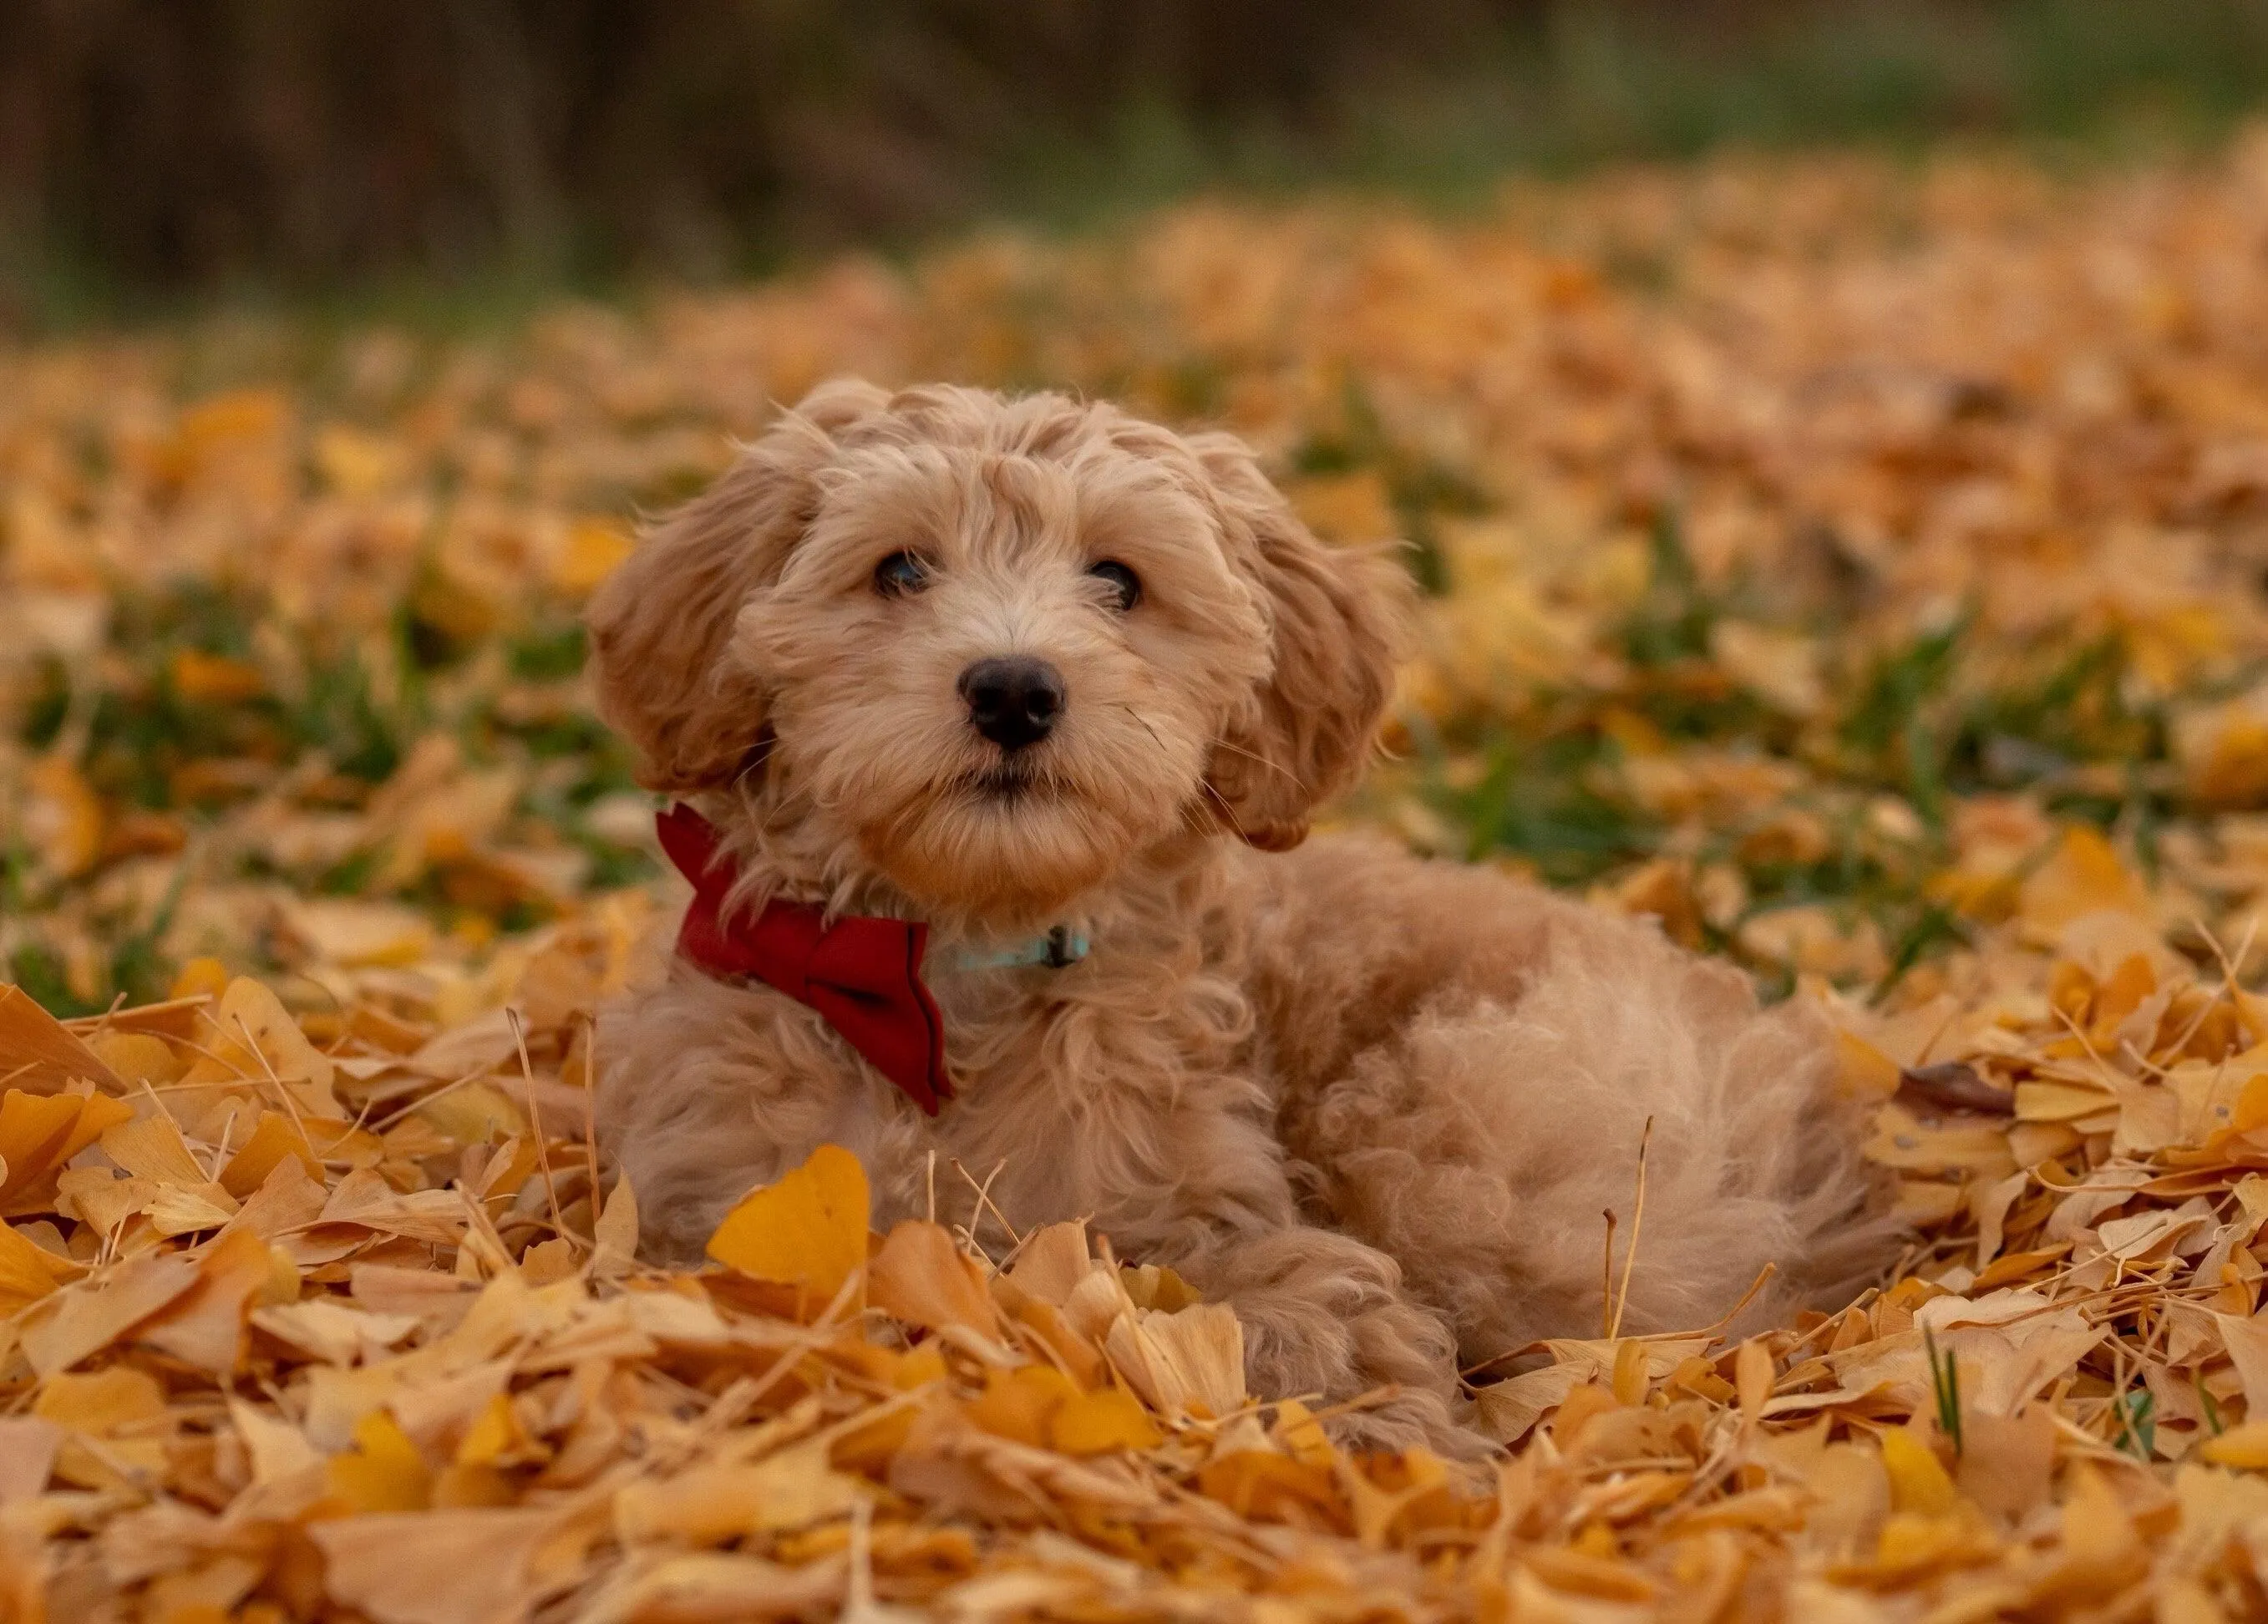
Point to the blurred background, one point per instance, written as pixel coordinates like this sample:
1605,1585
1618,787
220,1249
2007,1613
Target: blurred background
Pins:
157,150
1832,438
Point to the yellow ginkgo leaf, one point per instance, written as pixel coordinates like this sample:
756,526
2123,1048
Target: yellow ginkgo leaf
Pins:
1022,1403
2245,1446
1918,1482
710,1504
352,932
27,1273
250,1013
2085,875
1109,1418
921,1277
808,1230
356,464
1782,668
101,1402
138,1056
200,977
39,1132
497,1437
272,1139
1867,1074
615,1237
383,1472
594,549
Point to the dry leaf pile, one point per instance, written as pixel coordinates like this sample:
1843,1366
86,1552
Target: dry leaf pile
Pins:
1858,568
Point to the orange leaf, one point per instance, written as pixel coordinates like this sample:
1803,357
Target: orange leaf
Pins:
27,1271
383,1472
2084,876
214,679
38,1055
271,1141
1021,1404
808,1230
1266,1486
103,1402
1109,1418
64,819
84,1318
205,1325
922,1277
39,1132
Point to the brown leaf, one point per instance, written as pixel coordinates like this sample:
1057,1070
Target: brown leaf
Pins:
204,1326
1952,1085
2005,1464
441,1567
27,1454
920,1276
84,1318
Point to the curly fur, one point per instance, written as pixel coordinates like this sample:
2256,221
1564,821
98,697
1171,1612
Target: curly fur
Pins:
1378,1104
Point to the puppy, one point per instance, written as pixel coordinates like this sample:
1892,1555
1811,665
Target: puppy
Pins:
998,724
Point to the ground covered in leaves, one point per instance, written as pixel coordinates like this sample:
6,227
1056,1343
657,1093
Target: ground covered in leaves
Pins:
1859,569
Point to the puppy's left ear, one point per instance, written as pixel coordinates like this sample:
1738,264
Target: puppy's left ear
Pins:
1336,621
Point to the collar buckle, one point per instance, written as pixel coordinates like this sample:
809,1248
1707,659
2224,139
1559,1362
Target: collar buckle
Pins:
1059,949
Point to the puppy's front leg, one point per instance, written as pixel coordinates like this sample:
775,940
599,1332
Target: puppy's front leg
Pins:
1324,1314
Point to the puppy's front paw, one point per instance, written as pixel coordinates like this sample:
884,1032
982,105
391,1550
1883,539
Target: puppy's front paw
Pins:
1402,1363
1396,1418
1323,1317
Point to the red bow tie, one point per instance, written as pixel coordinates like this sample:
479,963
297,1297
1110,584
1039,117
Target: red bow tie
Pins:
863,975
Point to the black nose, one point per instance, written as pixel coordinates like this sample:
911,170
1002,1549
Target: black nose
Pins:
1014,702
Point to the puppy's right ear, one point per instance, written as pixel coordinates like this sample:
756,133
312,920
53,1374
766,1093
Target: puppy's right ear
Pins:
1335,618
661,625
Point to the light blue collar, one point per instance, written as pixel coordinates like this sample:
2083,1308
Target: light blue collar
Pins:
1059,948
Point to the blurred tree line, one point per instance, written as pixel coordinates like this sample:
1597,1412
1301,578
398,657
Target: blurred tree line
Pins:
193,144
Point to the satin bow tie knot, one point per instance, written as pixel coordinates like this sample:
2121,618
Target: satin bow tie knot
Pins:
862,975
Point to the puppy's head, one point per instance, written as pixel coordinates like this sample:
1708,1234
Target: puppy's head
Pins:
997,647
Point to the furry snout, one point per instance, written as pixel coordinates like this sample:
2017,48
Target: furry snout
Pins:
1012,702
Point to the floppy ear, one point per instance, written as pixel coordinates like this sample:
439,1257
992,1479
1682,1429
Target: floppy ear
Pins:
661,624
1335,619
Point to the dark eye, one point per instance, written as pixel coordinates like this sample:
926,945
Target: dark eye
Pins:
1122,581
900,573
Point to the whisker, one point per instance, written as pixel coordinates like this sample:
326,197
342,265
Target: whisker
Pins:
1229,745
1273,766
1145,721
1227,812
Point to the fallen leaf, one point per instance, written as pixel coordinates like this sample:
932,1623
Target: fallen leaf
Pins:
84,1319
451,1567
709,1505
39,1055
807,1230
919,1275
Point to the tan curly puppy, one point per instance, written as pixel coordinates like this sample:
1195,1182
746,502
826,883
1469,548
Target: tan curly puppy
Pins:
1066,687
